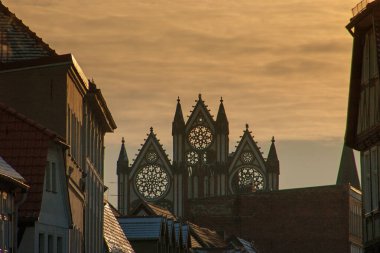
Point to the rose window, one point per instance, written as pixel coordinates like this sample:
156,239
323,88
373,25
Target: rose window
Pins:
250,177
151,156
247,157
200,137
192,157
152,181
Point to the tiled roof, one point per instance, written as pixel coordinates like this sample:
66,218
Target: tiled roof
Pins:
115,212
7,171
17,41
24,145
207,237
241,245
142,228
114,237
158,210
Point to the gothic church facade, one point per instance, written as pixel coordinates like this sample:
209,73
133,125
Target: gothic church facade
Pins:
202,164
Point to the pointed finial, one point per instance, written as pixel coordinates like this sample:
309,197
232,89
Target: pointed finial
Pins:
151,129
273,141
246,126
178,100
221,99
122,140
200,96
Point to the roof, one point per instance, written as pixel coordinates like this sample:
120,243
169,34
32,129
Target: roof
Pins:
153,209
142,227
24,145
18,41
348,173
242,245
185,235
177,232
196,240
7,173
96,99
114,237
207,237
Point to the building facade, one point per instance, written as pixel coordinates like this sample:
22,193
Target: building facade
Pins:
13,189
363,119
44,216
53,90
202,164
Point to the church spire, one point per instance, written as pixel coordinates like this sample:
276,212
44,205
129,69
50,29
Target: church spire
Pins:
348,173
123,161
272,159
221,119
272,151
178,122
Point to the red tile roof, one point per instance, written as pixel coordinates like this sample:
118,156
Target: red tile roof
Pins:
24,145
18,41
114,237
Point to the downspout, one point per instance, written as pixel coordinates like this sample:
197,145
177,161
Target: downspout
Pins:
24,193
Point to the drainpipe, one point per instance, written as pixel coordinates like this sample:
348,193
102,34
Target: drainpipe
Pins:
24,193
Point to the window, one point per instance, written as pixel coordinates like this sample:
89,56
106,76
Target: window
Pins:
41,243
59,245
206,187
48,177
368,105
195,178
50,244
51,177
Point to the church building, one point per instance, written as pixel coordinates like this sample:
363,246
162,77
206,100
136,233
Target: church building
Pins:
202,164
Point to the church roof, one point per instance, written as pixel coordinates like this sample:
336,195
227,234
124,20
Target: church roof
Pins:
348,173
200,107
17,41
152,140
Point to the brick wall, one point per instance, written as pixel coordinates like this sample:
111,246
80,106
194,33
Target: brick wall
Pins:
297,220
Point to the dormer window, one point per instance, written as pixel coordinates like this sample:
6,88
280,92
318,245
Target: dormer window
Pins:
51,177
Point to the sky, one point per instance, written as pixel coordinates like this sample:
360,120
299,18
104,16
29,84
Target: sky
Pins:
282,67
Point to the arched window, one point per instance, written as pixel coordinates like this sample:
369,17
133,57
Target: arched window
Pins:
189,187
212,187
206,186
195,187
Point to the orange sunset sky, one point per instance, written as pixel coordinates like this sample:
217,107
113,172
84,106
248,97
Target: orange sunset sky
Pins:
281,66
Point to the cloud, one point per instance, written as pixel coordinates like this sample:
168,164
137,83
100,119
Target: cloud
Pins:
281,66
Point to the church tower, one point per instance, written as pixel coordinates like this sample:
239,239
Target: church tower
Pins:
202,165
